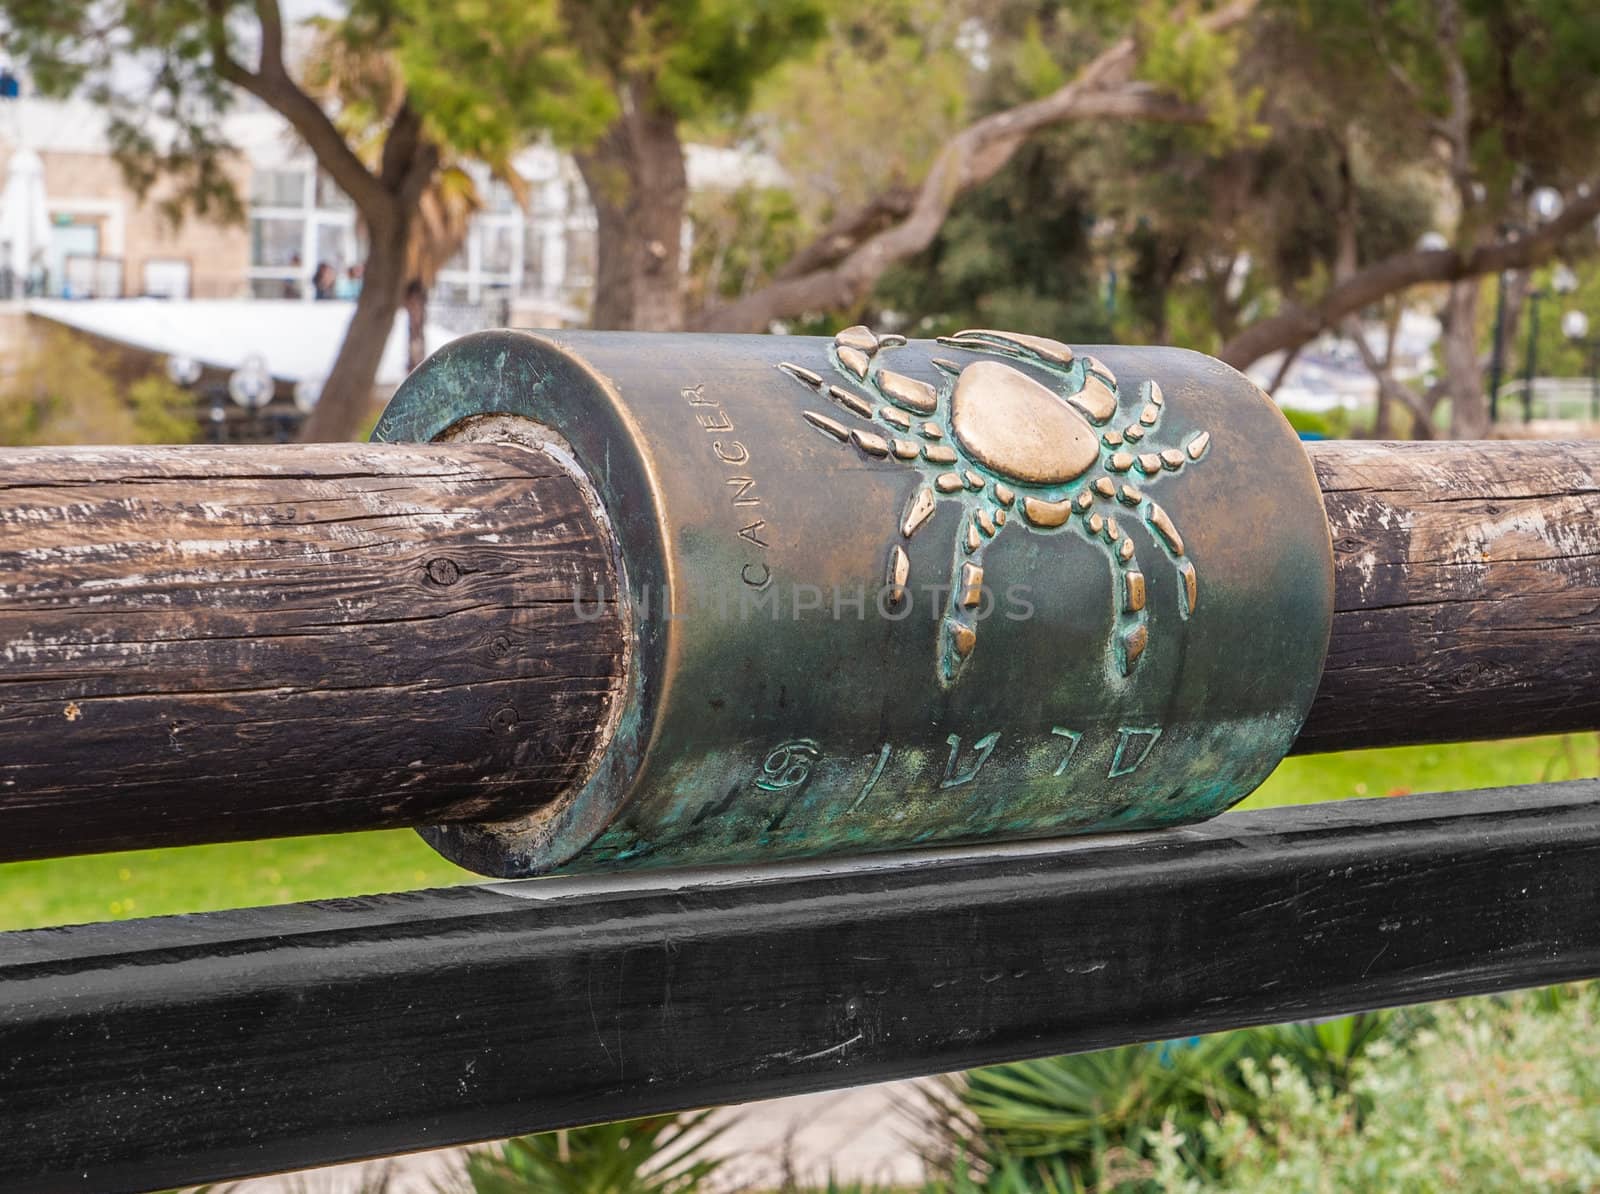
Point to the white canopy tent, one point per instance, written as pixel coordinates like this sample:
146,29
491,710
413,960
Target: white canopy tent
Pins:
297,340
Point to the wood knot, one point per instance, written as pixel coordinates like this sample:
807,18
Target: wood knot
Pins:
442,571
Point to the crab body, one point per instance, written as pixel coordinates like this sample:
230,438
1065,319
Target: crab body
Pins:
1018,428
1002,443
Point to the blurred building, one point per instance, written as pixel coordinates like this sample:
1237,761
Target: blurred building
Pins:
533,266
102,241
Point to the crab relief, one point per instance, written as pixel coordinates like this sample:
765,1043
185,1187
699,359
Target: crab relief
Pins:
1012,451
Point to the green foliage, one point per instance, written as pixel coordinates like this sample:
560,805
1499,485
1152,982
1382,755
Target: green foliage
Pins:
1036,69
740,237
163,413
1493,1095
697,59
487,74
162,115
1555,355
663,1154
711,53
1013,254
1487,1094
832,114
1044,244
58,393
1094,1115
1182,57
1401,770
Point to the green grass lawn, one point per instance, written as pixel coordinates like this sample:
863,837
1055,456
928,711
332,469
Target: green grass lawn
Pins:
202,878
1407,769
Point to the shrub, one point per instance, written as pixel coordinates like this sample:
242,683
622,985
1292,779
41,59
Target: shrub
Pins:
1094,1115
662,1154
57,393
1497,1094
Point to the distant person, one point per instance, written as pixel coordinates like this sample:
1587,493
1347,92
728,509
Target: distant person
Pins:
349,286
322,281
291,286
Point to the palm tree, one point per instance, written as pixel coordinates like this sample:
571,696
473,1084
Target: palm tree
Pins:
365,88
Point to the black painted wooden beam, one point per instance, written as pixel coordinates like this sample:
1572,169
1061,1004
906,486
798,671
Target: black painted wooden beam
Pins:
192,1048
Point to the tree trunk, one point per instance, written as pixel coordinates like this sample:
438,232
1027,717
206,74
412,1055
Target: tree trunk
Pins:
416,303
346,403
636,180
1463,367
1383,420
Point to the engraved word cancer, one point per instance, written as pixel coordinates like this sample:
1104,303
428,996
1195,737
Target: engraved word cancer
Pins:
997,441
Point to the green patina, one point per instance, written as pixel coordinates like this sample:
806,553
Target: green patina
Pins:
775,713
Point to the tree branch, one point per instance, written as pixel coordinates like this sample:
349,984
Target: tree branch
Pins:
1415,267
847,231
1456,127
1282,375
272,84
1104,89
1390,386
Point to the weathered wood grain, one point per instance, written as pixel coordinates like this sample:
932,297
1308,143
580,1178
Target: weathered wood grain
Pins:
209,643
177,1050
1467,592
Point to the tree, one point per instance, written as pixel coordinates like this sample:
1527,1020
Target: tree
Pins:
1014,254
1287,197
1161,72
1508,95
479,78
665,63
1031,246
364,86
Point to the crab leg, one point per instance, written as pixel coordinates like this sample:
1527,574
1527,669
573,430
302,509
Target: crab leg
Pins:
959,630
1154,461
1012,344
856,349
1166,533
1132,621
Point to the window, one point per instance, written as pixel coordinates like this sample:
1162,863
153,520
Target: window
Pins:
550,197
499,199
330,197
278,188
276,241
336,244
499,248
91,277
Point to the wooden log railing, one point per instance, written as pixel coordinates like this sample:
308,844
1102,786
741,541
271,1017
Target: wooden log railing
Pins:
209,643
1467,592
221,643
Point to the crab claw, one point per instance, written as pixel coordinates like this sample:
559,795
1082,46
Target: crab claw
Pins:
1014,343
